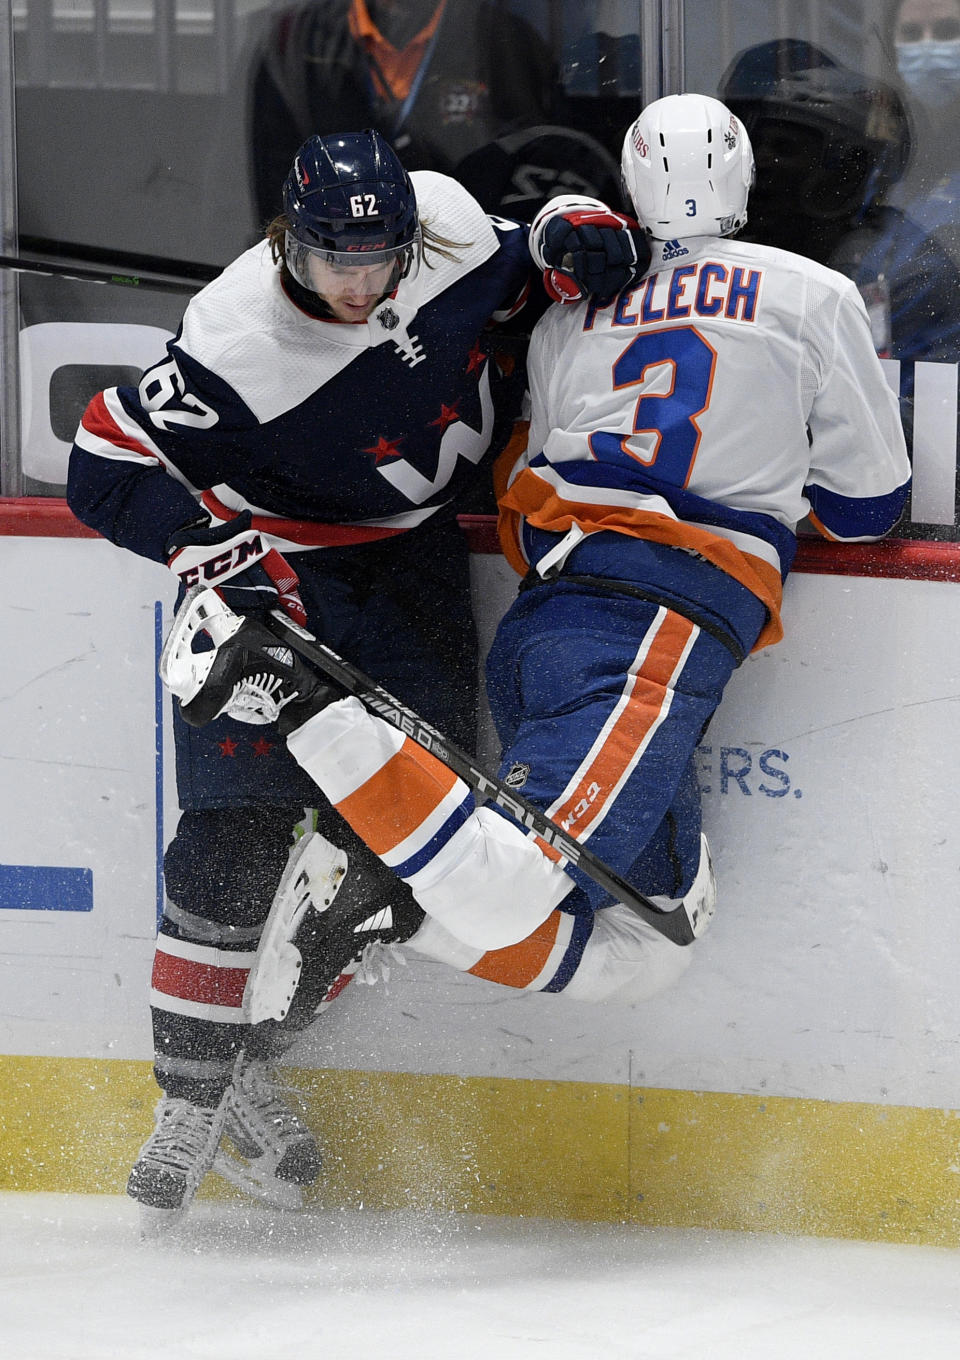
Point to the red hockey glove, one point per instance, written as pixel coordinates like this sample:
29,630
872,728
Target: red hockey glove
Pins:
236,560
592,251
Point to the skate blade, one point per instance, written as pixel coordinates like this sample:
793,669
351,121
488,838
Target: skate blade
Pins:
257,1179
312,877
157,1224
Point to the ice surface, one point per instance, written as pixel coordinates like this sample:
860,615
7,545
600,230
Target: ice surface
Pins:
239,1283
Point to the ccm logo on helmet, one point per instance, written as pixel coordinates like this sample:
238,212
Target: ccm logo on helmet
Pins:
236,557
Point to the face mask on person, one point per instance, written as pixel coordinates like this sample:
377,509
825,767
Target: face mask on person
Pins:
931,70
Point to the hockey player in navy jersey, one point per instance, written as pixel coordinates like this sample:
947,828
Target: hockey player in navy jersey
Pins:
306,441
679,433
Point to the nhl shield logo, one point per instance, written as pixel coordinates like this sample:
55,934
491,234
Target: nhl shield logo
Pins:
388,319
517,775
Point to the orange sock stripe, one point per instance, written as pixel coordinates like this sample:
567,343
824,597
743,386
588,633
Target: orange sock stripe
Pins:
519,964
392,803
638,716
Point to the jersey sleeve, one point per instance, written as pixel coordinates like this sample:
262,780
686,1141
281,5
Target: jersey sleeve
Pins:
859,470
523,299
141,455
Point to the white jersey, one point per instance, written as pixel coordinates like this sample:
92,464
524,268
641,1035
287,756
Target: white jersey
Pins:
732,392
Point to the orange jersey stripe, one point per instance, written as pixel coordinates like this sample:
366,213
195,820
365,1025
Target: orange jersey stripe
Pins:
822,529
392,803
509,523
647,702
519,964
533,499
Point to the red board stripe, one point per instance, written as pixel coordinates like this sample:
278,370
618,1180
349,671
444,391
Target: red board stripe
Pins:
898,558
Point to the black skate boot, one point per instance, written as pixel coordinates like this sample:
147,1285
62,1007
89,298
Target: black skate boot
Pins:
326,912
177,1155
265,1128
267,1150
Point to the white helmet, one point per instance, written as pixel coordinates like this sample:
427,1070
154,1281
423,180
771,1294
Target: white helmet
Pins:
687,168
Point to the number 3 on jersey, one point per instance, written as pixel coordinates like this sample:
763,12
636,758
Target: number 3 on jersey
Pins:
679,364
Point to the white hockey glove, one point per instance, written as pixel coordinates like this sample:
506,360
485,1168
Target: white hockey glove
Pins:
584,248
238,562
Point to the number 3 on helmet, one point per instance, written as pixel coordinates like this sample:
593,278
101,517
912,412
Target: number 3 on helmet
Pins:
687,168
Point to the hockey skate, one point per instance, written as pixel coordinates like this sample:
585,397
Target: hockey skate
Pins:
323,921
175,1158
314,872
277,1153
249,675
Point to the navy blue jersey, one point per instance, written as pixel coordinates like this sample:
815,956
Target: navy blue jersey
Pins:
371,428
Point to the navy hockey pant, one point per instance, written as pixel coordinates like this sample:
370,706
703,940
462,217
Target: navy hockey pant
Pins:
401,611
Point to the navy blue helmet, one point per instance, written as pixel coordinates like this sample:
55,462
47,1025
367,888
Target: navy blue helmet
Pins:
350,202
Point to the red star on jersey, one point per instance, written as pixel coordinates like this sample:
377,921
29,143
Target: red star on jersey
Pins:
228,747
448,414
384,448
475,358
262,747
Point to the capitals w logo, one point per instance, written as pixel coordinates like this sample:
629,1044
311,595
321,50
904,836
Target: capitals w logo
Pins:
460,440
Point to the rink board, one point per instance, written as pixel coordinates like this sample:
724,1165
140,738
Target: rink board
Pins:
571,1150
802,1076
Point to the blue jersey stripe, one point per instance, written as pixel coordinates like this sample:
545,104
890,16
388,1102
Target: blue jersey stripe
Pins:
856,516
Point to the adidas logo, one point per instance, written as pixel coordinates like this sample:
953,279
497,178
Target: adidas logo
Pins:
380,920
673,249
281,654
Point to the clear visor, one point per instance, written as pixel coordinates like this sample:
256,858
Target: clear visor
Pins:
375,271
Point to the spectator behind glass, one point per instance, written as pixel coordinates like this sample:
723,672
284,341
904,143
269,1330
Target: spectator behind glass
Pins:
924,37
829,145
465,87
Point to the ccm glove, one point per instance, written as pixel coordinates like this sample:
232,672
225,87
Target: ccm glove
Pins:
236,560
592,251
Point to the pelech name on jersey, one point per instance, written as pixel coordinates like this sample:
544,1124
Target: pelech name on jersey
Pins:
705,288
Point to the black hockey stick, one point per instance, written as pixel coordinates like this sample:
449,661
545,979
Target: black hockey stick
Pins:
84,273
675,925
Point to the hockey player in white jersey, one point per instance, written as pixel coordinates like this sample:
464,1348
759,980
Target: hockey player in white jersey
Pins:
679,432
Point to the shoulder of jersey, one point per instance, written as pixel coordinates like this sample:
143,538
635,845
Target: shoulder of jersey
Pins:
451,211
245,300
772,257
